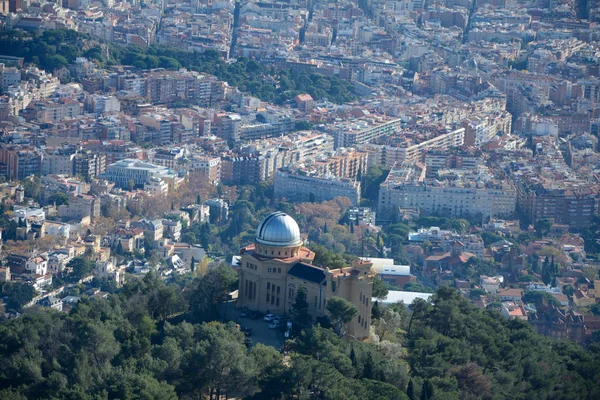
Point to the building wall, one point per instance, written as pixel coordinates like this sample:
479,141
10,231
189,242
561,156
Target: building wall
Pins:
295,187
265,285
447,201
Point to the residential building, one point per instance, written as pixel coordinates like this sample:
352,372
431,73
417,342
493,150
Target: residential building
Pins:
218,211
296,185
139,173
209,168
89,165
390,273
453,193
80,206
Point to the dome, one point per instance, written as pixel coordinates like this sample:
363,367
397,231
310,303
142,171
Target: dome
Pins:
278,229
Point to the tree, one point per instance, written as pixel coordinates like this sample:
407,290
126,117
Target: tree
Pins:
341,312
427,390
31,185
219,364
380,290
59,198
56,62
535,296
80,268
542,227
299,308
120,251
388,323
212,290
410,390
166,301
546,271
130,185
416,287
18,294
189,238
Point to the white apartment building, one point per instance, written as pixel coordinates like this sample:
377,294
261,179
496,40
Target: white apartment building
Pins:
406,187
353,132
294,186
139,172
57,162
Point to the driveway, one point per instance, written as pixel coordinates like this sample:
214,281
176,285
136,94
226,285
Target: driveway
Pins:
260,328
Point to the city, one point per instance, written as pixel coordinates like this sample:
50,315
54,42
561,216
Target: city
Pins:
300,199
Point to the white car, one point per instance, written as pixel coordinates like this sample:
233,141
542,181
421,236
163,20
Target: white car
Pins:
270,317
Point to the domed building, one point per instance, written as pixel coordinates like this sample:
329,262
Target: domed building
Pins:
277,264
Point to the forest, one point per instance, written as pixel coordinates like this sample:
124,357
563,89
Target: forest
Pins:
151,340
55,49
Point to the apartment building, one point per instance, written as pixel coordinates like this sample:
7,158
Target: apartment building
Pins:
358,131
451,194
410,146
139,172
297,185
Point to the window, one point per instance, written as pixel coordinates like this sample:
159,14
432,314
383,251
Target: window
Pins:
278,270
290,293
315,301
268,285
278,287
359,319
268,297
269,270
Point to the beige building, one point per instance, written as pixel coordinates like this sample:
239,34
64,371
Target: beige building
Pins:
277,265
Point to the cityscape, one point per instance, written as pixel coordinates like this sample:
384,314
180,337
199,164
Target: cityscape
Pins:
299,199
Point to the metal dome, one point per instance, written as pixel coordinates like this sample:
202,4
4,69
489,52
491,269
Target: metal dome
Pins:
278,229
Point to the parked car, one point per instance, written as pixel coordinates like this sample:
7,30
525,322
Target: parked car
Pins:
270,317
255,314
247,330
274,325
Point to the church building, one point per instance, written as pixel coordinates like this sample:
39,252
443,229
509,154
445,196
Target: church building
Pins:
277,265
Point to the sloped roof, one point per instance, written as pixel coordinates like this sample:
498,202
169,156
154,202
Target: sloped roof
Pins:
308,272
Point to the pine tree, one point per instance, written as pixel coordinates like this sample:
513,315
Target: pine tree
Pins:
325,229
351,226
198,200
192,264
172,205
410,390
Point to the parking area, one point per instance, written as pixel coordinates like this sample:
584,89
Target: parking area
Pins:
260,328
